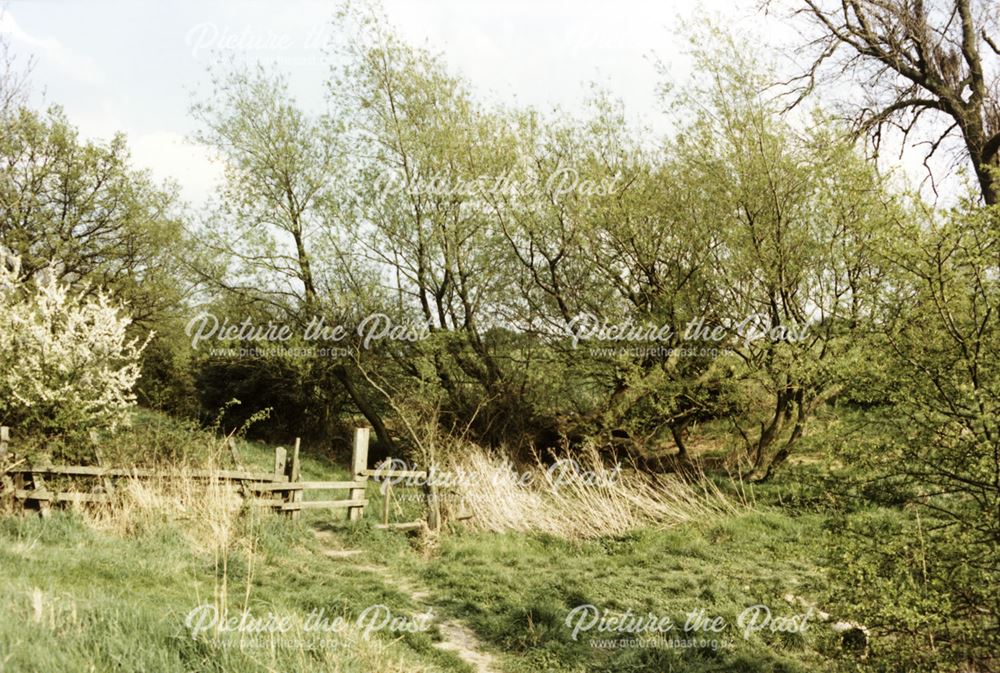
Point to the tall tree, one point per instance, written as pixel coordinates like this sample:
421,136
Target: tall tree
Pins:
798,214
427,156
273,241
79,210
918,57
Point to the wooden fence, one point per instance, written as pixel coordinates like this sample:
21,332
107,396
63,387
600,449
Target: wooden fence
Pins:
39,487
281,490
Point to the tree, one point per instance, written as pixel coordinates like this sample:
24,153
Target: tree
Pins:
68,364
606,232
798,216
938,56
278,166
80,211
274,240
944,316
428,156
937,446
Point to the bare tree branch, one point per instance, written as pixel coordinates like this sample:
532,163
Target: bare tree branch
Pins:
914,56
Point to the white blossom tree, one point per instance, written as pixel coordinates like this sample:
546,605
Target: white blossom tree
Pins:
66,362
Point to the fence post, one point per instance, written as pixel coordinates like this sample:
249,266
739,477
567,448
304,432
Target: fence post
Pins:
359,463
233,452
7,482
38,484
294,475
433,504
95,442
386,500
17,482
280,459
106,483
280,462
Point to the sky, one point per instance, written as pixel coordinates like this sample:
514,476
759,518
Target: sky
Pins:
136,66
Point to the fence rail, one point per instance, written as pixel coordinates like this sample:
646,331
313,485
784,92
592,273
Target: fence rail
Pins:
139,473
281,490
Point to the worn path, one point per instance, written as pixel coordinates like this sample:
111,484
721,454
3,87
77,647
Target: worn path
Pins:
455,636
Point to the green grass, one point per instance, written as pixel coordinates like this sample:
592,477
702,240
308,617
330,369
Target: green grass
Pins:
516,591
313,464
74,598
116,603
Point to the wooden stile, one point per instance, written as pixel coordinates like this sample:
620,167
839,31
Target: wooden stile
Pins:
326,504
359,464
404,525
294,475
307,486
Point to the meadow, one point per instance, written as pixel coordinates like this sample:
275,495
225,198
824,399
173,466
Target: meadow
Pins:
114,588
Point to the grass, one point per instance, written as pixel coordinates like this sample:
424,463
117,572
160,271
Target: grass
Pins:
118,603
74,598
580,497
111,592
517,590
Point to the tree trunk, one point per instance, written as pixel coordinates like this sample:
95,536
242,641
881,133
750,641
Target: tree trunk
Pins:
800,419
367,410
678,433
770,431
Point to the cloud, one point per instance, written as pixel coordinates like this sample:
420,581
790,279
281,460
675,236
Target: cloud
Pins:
172,156
51,50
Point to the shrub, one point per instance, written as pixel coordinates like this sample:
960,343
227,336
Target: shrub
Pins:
66,363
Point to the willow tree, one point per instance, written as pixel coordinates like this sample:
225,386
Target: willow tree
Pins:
272,244
427,156
604,236
799,214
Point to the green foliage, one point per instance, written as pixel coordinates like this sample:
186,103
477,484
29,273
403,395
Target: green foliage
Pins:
936,447
498,228
298,406
78,209
939,577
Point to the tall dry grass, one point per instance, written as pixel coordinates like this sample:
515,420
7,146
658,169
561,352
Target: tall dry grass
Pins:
207,510
209,513
602,501
579,496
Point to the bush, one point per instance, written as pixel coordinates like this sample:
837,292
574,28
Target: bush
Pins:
937,576
66,363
